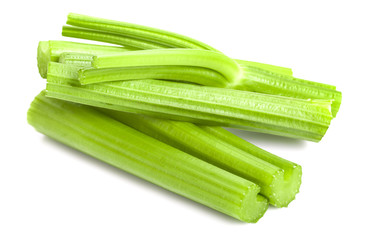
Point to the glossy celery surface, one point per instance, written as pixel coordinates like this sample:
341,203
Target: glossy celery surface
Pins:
279,179
104,138
136,31
303,119
51,50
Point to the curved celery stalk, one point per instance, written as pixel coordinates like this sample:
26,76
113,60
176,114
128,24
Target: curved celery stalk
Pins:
258,80
198,75
304,119
144,34
136,31
195,140
100,136
147,34
101,36
51,50
187,57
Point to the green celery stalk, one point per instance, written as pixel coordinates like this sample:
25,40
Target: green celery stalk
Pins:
148,34
182,57
246,78
136,31
198,75
303,119
279,179
48,51
103,30
102,36
258,80
104,138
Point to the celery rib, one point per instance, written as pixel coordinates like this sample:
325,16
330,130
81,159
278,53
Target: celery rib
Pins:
198,75
98,135
102,36
136,31
226,107
201,143
182,57
291,183
147,34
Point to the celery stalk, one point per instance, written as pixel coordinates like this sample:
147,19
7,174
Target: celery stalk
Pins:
182,57
303,119
198,75
147,34
279,179
102,36
136,31
100,136
292,172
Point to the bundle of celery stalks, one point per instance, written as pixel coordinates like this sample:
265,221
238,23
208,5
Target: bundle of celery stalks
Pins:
155,105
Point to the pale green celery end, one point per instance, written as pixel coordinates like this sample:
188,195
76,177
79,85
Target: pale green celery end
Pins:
197,75
101,36
217,151
79,127
292,171
138,31
189,57
268,67
43,57
48,51
59,47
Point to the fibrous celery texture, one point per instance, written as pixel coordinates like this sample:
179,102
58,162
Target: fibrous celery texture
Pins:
100,136
278,178
304,119
275,80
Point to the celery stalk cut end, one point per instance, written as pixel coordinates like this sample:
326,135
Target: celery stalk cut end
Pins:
43,57
257,208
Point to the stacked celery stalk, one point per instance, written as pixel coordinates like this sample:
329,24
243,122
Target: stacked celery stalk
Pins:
155,107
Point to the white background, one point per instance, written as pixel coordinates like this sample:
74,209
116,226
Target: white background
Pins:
49,191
